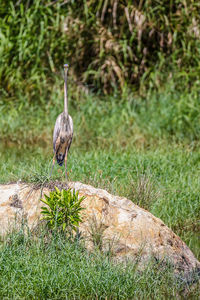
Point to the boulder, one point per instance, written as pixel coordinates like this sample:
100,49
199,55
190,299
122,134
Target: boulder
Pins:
109,222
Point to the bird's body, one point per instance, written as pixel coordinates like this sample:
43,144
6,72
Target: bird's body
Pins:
63,131
62,137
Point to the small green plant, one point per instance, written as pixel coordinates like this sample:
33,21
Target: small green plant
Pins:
63,209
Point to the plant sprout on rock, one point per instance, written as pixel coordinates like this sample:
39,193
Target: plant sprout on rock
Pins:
62,210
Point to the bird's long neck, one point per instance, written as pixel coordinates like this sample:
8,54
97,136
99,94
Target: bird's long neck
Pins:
65,94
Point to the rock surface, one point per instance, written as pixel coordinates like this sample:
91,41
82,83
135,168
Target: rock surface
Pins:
109,222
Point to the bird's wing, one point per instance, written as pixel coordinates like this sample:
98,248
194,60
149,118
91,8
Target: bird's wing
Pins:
71,131
69,142
71,125
56,132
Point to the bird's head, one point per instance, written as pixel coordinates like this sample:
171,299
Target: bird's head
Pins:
66,67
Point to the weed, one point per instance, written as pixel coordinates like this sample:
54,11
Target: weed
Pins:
142,191
96,230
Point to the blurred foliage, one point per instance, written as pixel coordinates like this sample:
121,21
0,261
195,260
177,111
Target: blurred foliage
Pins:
109,44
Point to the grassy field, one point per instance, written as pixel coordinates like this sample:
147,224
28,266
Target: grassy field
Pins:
56,268
128,149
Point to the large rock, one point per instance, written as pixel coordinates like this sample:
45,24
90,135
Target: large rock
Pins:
109,222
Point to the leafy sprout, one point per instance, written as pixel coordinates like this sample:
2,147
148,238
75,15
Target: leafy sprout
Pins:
62,210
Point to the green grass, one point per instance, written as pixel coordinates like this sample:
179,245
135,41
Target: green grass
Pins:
55,268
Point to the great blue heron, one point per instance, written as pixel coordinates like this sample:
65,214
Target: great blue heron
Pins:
63,131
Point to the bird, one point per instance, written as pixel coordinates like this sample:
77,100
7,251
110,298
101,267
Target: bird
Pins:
63,131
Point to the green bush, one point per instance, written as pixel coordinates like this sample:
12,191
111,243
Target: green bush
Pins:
63,209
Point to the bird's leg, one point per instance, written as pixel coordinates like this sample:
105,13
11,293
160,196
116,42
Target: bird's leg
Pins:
53,163
66,165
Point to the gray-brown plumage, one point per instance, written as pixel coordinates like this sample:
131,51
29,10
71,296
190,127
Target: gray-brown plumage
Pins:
63,130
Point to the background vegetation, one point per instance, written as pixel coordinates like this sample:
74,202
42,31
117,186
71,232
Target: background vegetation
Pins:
110,44
134,97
